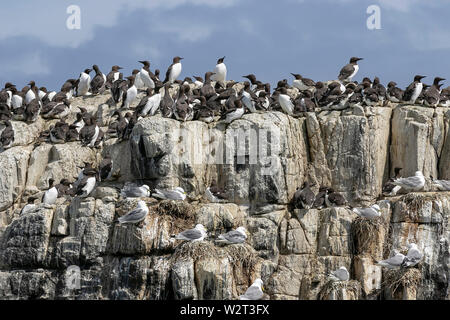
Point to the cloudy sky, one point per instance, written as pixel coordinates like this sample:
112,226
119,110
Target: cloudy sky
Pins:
268,38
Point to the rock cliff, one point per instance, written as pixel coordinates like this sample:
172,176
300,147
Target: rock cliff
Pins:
354,151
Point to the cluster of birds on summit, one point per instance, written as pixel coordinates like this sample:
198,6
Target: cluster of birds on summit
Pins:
205,99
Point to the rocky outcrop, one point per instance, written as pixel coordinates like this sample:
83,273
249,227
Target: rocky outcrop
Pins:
260,160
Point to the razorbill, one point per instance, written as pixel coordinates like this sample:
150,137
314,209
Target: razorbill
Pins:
334,199
304,197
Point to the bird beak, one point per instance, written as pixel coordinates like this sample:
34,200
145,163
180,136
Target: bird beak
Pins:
181,58
262,288
360,59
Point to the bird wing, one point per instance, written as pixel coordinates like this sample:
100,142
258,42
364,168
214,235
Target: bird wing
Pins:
346,71
190,234
253,293
233,236
410,182
414,254
168,73
134,215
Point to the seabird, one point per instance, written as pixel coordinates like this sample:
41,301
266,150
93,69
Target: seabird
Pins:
84,83
194,235
433,94
51,194
32,93
198,82
369,212
214,193
340,274
113,76
150,103
136,215
236,113
58,110
167,103
58,132
7,136
98,82
220,71
131,190
105,168
410,184
413,256
301,83
334,199
183,111
394,94
30,206
443,185
254,292
32,110
319,203
147,77
63,187
68,88
174,70
130,94
349,71
248,98
393,262
86,186
285,102
236,236
414,90
207,90
176,194
389,187
89,133
379,89
303,198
